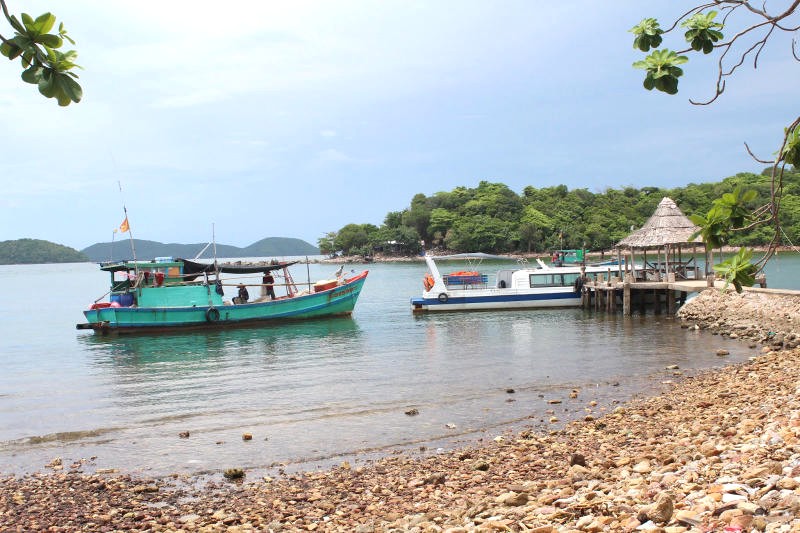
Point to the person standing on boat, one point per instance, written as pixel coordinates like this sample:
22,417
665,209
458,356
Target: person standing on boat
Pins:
267,288
243,294
580,281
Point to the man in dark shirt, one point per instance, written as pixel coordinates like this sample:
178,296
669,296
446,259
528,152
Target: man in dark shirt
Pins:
268,281
243,294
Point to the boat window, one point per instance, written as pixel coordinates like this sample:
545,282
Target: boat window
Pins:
569,279
553,280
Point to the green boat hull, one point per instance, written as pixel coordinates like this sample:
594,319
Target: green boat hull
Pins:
337,301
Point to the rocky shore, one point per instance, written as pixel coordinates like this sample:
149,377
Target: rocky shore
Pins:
767,317
719,451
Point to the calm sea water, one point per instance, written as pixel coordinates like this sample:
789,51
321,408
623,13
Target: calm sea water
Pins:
315,392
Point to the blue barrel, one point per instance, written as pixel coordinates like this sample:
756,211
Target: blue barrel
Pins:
124,300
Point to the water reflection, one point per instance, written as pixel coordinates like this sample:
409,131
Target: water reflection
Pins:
188,348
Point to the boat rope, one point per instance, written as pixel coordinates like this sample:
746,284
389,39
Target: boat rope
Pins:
104,295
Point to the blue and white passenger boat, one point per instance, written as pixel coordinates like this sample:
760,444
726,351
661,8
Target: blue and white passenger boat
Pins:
524,287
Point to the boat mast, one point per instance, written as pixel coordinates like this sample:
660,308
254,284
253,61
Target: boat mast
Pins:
127,224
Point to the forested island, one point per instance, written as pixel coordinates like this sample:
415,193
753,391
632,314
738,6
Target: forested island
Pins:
488,218
35,251
494,219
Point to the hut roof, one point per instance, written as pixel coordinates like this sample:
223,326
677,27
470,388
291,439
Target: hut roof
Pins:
668,225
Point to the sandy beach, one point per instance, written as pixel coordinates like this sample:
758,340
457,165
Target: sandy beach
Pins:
717,450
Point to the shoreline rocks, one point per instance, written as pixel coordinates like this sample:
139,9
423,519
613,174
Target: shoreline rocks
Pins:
769,319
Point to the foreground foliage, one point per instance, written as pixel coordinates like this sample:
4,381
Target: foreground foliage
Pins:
740,35
43,64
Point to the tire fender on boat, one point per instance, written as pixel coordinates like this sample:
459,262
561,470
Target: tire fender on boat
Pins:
442,297
212,314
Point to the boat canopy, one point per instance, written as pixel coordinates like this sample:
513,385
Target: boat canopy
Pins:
474,255
190,267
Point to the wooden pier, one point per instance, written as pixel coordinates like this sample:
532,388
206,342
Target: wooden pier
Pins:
625,295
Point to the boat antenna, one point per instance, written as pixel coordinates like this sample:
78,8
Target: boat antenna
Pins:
126,227
214,241
111,250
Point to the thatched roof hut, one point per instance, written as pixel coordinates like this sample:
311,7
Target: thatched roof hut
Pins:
666,231
666,227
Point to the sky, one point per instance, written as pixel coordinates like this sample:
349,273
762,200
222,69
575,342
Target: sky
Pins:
250,119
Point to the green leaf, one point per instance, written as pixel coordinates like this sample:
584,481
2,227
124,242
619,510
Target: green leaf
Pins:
45,22
738,270
47,85
662,72
48,39
648,34
791,150
68,88
16,24
697,220
702,31
32,74
23,41
10,50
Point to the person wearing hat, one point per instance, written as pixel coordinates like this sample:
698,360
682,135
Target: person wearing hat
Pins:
243,294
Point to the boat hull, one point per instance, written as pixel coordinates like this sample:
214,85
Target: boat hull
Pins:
466,300
336,301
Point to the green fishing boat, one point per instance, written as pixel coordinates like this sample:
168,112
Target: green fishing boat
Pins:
168,294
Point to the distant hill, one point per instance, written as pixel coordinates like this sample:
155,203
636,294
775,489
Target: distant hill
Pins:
35,251
269,247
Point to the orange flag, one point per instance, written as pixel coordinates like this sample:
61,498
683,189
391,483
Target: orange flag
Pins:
124,226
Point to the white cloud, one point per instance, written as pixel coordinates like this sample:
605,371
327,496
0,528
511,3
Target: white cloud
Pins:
333,155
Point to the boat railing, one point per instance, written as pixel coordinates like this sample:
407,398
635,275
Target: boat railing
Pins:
460,281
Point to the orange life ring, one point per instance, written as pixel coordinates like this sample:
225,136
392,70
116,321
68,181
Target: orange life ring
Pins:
428,282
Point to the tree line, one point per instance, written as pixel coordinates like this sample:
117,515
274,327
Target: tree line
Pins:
492,218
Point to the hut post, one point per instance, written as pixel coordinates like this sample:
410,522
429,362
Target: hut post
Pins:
642,302
645,263
626,298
